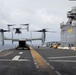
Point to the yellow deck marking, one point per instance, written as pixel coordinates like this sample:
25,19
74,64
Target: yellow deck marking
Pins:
42,64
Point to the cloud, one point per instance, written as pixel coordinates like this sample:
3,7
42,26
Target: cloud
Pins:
48,18
19,16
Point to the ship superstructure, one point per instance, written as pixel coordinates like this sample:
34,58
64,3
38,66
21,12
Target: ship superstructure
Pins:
68,30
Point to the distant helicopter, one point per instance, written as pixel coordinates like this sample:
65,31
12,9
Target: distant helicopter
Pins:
44,30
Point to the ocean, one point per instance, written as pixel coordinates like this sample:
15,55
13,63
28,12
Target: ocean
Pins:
7,46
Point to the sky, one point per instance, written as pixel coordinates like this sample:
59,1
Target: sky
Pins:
38,13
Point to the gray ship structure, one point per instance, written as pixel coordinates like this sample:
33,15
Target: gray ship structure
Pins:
68,30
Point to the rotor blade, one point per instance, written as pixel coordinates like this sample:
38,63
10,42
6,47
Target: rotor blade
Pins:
23,28
42,30
49,31
52,31
24,24
6,30
16,28
38,31
1,30
11,24
45,28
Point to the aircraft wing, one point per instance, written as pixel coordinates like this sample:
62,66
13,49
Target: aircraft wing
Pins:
22,39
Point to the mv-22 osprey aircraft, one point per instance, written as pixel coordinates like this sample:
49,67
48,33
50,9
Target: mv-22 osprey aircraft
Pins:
22,41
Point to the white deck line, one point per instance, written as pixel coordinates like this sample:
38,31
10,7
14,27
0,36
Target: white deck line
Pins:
74,61
16,58
20,52
61,57
57,72
5,60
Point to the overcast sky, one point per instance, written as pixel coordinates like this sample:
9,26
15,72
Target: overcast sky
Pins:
38,13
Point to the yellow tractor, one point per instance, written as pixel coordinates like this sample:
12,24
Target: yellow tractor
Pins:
55,45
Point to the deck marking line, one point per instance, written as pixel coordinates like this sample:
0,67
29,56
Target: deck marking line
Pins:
43,66
35,62
48,63
61,57
13,60
37,66
57,72
6,53
62,60
65,74
16,58
20,52
52,67
23,60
